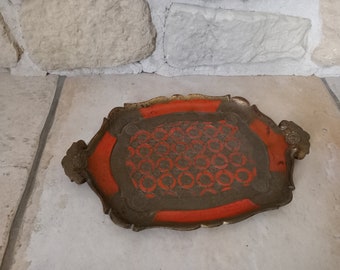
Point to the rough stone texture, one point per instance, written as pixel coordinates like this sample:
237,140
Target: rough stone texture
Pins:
157,63
24,105
133,68
328,52
8,53
65,228
87,34
198,36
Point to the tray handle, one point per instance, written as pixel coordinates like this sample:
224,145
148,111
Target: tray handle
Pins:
75,162
296,137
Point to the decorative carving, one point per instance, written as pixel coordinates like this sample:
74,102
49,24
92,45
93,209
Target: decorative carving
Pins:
75,162
296,137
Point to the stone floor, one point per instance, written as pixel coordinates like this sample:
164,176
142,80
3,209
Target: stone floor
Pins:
60,225
24,105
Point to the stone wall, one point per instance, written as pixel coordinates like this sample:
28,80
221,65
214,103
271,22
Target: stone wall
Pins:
328,52
170,37
8,53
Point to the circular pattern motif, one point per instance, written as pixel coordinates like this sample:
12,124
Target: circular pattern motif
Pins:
237,159
162,148
167,181
165,164
215,145
205,179
183,163
202,162
225,178
144,150
220,161
244,176
186,180
146,166
200,158
148,183
194,132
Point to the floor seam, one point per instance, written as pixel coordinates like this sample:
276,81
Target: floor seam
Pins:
337,102
7,258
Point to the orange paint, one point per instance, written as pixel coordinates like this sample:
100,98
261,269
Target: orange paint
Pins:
221,212
176,106
276,145
99,165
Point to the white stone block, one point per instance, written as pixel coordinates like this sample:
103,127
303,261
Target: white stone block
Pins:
328,51
8,53
62,34
198,36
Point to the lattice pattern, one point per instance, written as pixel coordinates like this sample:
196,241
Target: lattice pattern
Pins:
192,157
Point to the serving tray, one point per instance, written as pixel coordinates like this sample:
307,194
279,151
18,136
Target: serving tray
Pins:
186,161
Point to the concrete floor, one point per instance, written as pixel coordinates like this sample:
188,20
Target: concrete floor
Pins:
63,226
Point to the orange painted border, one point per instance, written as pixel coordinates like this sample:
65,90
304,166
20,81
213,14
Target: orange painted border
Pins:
276,145
199,216
176,106
99,165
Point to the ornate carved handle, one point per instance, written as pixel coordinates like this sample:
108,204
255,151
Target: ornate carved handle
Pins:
296,137
75,162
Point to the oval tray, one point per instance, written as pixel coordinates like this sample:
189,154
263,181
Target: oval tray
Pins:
186,161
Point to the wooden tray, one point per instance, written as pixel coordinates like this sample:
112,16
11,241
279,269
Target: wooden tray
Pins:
186,161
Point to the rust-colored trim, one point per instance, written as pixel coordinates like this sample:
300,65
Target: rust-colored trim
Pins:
176,106
212,214
99,165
